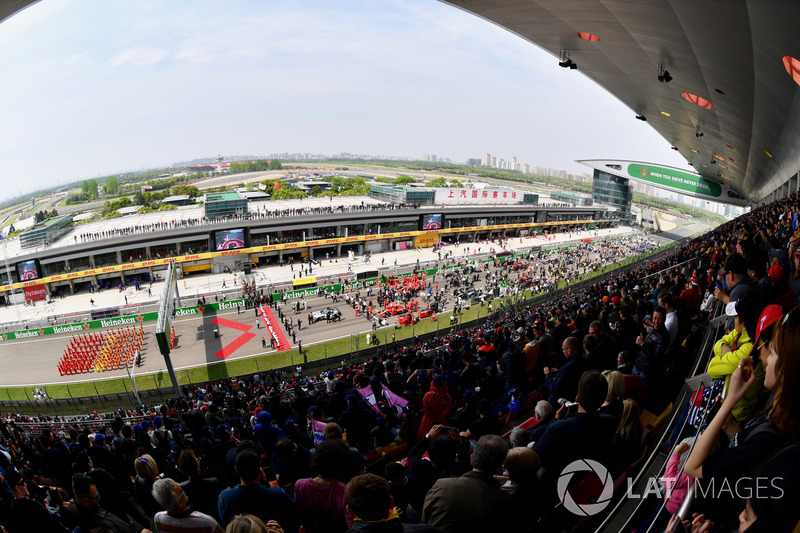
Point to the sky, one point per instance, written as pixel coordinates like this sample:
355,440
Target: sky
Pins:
94,87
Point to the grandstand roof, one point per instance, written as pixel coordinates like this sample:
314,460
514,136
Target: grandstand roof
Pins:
11,7
732,89
726,60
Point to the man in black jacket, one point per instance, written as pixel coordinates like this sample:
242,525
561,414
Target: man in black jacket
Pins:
86,512
583,435
25,514
652,361
740,286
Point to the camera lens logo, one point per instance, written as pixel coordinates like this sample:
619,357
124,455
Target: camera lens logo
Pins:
596,475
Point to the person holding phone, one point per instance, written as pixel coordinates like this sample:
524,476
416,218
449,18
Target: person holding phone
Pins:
732,348
752,445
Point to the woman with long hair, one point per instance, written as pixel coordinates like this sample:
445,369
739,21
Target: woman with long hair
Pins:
750,447
626,447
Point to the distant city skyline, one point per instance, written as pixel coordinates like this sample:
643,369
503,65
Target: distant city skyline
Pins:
96,88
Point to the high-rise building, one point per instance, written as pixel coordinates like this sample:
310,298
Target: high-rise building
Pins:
614,191
526,168
494,162
488,160
514,165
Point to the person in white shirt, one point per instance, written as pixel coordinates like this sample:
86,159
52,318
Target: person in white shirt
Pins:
666,301
179,517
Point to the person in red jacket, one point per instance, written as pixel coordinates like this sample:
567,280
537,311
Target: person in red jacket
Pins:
691,298
436,405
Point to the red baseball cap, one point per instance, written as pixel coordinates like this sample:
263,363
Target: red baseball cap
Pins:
768,317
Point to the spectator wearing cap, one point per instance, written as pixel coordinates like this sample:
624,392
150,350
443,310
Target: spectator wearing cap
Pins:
737,463
735,346
179,517
691,298
104,458
162,437
171,469
436,405
250,496
25,514
739,285
372,508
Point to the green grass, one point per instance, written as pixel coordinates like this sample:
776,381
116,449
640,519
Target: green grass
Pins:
332,350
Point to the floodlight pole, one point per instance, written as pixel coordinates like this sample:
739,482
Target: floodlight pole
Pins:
133,384
163,325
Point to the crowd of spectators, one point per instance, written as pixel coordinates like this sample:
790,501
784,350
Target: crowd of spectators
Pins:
412,440
259,213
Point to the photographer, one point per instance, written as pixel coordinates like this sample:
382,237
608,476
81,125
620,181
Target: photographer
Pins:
582,435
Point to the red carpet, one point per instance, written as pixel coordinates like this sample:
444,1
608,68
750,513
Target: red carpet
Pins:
274,329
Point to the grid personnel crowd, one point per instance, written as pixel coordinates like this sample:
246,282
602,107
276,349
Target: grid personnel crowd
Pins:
412,440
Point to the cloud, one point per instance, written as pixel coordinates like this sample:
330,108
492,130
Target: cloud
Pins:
139,56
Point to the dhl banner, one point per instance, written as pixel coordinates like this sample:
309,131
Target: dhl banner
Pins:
284,246
426,240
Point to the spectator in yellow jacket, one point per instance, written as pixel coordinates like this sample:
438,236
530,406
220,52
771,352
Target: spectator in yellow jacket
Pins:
736,345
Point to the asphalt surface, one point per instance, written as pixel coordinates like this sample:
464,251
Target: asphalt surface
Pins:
33,361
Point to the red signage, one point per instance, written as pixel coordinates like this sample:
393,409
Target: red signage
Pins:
35,292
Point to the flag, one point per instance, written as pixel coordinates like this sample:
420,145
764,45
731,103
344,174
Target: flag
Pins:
394,400
369,397
317,427
277,186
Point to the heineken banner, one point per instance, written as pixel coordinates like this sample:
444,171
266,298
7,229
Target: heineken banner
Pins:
669,178
117,321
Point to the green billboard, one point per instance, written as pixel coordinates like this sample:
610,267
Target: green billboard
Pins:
675,179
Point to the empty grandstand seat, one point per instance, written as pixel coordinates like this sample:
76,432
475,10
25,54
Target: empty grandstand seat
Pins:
652,423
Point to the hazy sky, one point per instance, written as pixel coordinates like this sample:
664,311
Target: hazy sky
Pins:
89,88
